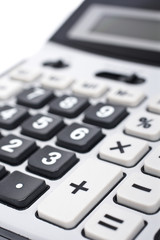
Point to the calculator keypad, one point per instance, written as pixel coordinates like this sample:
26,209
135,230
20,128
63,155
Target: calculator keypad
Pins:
77,118
51,162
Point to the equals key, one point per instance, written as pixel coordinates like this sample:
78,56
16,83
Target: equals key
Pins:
113,223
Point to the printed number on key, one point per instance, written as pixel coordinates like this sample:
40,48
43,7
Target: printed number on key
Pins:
79,133
14,143
42,122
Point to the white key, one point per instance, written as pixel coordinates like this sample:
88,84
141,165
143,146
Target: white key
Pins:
56,81
123,150
92,89
154,105
141,192
112,223
25,74
125,97
9,89
77,195
144,125
152,163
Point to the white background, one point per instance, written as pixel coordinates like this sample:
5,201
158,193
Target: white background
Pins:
25,25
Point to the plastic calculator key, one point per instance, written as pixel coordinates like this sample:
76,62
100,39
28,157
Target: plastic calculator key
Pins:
3,171
9,88
140,191
123,150
8,235
92,89
25,74
144,125
14,150
41,126
126,97
56,64
79,193
11,117
152,163
51,162
56,81
154,105
34,97
20,190
105,115
157,235
112,223
68,106
78,137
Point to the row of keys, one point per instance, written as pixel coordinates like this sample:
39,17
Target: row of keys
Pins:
120,96
86,88
144,125
53,163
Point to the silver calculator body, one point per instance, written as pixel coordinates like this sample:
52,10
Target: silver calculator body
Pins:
113,67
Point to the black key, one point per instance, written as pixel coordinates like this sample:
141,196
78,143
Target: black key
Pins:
157,236
56,64
80,138
68,106
34,97
42,127
3,171
14,150
7,235
11,117
20,190
51,162
105,115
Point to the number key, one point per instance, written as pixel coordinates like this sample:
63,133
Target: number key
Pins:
14,150
11,117
51,162
34,97
105,115
80,138
42,127
68,106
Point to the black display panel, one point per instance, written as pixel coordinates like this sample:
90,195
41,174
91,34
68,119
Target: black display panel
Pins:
114,25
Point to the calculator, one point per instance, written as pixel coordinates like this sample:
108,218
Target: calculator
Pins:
80,129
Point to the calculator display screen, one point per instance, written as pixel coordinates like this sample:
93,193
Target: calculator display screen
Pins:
128,27
122,26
